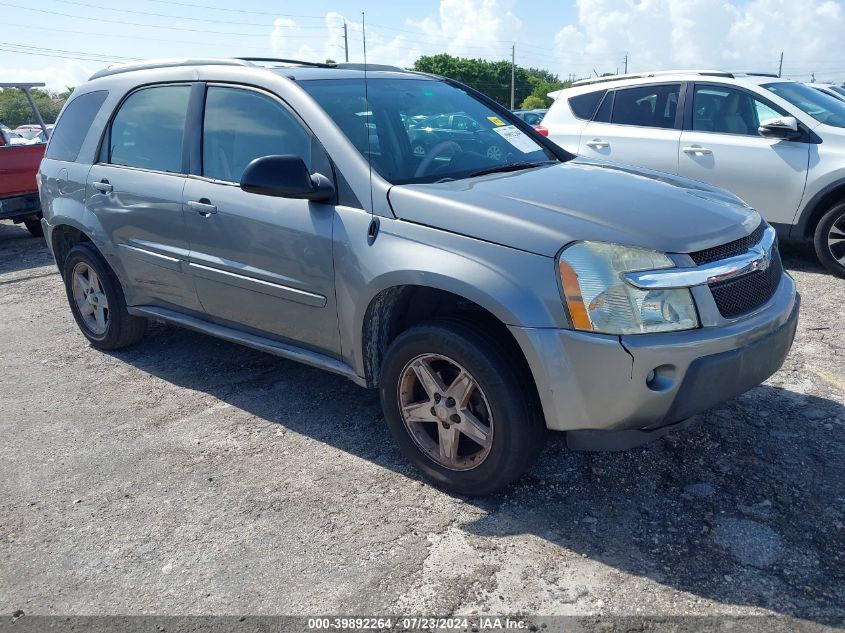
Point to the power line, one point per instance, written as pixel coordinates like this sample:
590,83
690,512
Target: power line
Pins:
245,11
61,53
150,26
180,17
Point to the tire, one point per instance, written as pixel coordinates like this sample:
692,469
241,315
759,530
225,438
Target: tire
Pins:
832,227
34,227
119,328
501,400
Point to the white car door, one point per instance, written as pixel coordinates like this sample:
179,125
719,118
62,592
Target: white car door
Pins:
639,125
721,146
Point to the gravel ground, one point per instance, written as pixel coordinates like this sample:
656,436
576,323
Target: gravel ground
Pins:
192,476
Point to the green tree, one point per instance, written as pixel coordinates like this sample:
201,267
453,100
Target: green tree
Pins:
15,109
492,78
533,102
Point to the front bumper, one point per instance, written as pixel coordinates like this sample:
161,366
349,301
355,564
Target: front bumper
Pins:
601,389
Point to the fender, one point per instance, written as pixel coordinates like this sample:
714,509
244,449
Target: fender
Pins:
403,254
815,208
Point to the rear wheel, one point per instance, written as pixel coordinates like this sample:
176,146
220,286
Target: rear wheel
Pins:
830,240
459,409
34,228
97,302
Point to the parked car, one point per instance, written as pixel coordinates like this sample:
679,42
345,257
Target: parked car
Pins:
487,298
19,159
458,128
531,117
777,144
830,89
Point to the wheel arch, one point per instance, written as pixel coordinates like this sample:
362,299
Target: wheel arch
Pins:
819,204
396,308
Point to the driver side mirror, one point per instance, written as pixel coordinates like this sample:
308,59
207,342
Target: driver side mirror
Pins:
285,176
784,127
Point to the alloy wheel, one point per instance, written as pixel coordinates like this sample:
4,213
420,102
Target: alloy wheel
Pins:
836,239
90,298
445,412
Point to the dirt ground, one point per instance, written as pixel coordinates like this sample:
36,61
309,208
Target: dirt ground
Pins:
191,476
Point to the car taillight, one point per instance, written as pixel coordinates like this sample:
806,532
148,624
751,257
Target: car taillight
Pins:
541,130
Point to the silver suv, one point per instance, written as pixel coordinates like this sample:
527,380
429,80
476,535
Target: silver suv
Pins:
487,295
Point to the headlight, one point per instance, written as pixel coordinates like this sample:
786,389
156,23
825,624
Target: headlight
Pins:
600,300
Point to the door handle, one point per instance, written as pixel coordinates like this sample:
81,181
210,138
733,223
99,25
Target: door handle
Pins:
202,206
697,150
597,143
103,186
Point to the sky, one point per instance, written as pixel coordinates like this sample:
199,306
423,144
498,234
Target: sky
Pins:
62,42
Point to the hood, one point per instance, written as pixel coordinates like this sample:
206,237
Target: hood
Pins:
540,210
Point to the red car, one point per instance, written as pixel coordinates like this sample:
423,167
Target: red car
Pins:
18,165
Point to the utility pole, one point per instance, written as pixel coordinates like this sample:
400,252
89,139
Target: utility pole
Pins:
780,66
626,63
513,74
345,40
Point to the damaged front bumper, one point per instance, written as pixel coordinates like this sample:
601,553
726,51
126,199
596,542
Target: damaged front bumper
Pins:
611,392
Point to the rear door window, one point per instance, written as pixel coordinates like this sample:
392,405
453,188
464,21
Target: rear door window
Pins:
646,106
73,125
148,129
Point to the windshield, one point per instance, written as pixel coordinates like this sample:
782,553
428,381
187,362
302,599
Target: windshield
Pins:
420,130
823,108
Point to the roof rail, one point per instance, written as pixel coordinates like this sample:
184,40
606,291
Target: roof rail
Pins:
750,73
289,62
22,85
656,73
147,64
373,67
341,65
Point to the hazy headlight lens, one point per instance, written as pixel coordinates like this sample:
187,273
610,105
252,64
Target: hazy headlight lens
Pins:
599,299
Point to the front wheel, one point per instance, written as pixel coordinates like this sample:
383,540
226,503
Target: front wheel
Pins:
459,409
830,240
97,302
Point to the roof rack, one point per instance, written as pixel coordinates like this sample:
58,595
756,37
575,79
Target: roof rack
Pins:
289,62
22,86
373,67
750,73
148,64
656,73
116,69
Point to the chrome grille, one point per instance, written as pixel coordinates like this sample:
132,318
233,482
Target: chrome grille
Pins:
737,247
742,295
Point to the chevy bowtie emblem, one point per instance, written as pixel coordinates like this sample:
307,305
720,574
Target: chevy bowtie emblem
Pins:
763,259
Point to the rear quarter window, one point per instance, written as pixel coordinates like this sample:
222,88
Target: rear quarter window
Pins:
73,125
583,106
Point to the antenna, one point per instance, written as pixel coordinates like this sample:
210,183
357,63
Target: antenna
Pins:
372,231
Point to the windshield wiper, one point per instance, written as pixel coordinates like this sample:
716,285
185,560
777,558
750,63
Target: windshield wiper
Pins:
510,167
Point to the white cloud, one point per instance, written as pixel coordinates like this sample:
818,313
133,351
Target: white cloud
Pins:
661,34
72,73
286,41
657,34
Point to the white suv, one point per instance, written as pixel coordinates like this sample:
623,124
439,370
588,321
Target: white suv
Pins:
777,144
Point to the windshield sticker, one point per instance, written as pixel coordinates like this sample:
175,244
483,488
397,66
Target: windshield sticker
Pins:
517,138
496,121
